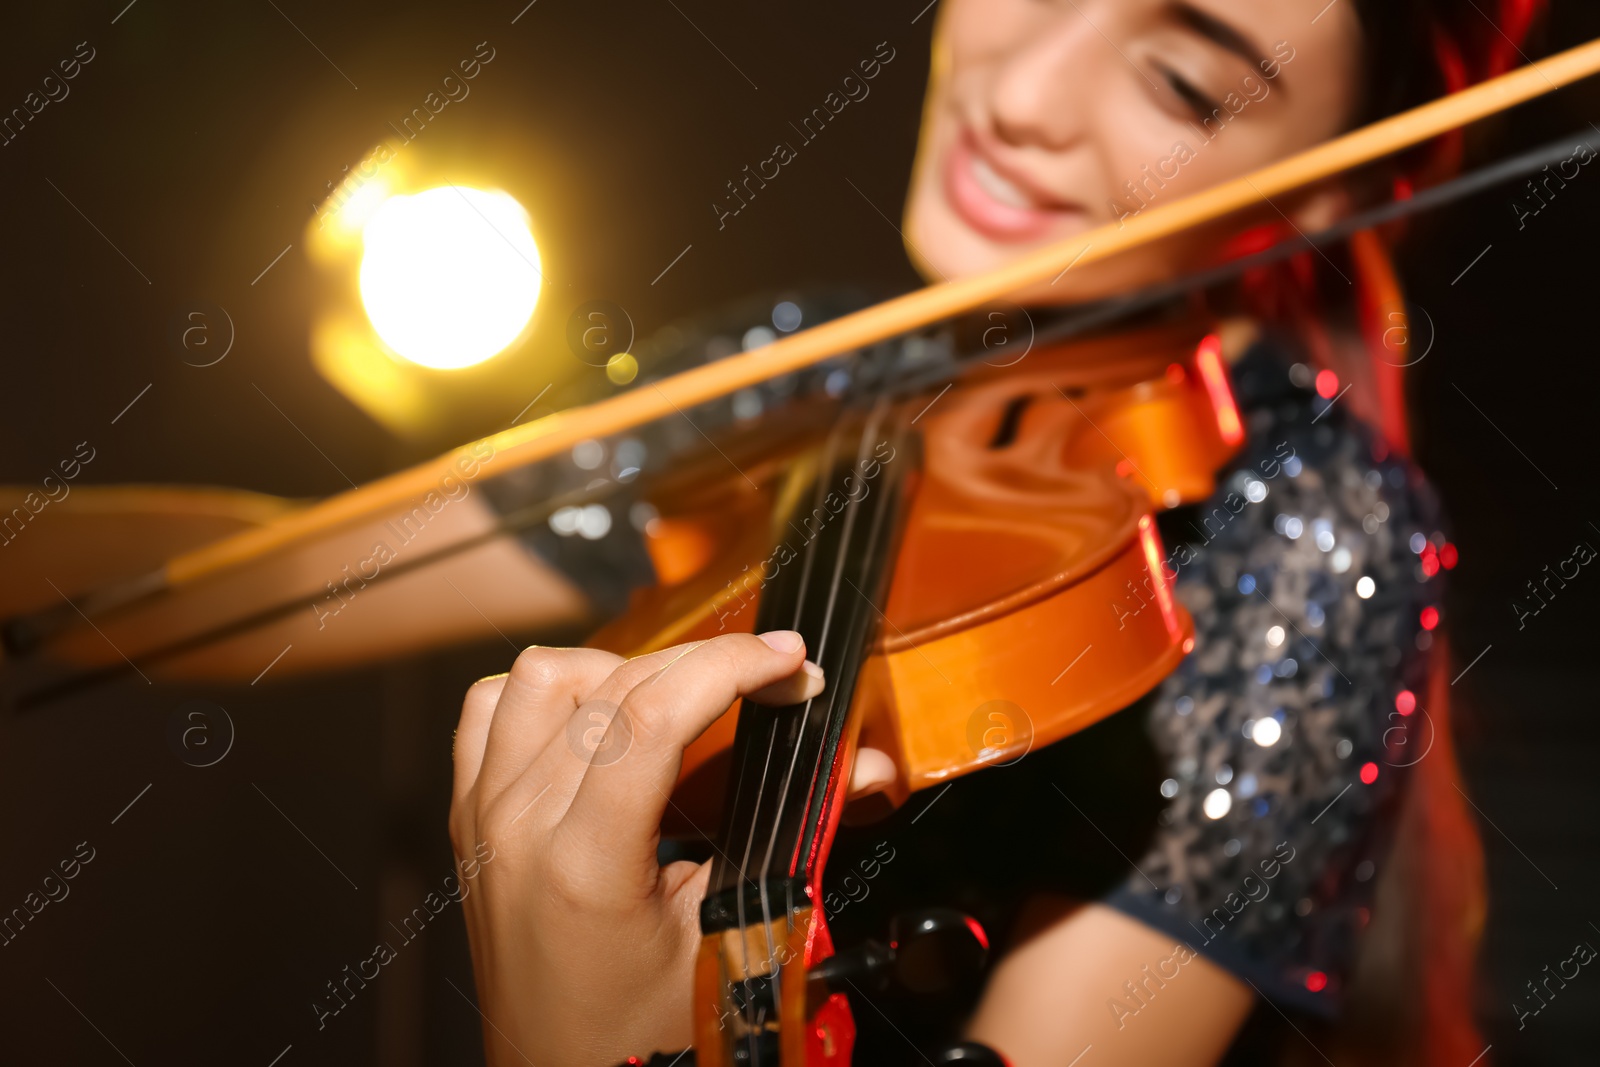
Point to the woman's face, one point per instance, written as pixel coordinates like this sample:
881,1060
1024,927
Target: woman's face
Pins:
1046,118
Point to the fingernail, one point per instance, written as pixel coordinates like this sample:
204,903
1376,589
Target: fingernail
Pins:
814,683
783,640
811,685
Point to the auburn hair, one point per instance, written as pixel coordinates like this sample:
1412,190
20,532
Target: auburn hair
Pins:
1417,50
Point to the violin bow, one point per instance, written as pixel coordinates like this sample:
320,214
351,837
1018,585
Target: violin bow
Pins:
558,432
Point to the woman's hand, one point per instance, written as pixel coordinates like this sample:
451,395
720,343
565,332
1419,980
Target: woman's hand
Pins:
583,947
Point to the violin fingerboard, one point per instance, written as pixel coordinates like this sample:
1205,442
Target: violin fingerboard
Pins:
842,527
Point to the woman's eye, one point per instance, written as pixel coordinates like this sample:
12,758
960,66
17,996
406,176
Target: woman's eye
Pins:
1195,101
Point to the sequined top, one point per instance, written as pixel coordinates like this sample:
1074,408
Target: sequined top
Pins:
1287,729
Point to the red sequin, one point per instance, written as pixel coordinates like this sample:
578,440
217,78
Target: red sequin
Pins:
1369,773
1327,384
1405,702
1316,981
1430,618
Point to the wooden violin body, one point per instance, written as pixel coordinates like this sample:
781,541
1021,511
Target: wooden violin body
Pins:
1029,544
1027,599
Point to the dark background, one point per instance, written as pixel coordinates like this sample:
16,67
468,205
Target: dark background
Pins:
196,142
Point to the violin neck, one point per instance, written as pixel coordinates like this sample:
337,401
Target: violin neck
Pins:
840,528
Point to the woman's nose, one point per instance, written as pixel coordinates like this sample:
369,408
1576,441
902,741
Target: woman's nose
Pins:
1044,87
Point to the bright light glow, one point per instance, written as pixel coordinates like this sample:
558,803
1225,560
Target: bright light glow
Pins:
450,276
356,210
1218,802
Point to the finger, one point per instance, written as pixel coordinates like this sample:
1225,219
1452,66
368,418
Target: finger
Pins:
566,737
613,822
472,732
799,687
544,788
538,796
597,732
544,687
872,772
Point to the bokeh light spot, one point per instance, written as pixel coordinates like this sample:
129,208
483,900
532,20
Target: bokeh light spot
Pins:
622,368
450,276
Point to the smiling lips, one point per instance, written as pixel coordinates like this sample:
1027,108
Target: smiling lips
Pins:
993,204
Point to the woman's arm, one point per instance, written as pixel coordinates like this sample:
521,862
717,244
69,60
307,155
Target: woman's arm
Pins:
347,598
1087,976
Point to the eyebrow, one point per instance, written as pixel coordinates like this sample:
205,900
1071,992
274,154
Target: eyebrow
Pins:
1219,33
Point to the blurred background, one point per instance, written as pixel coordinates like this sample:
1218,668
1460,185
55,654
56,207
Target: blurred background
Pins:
187,170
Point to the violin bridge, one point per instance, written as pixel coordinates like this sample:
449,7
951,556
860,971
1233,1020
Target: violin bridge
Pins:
753,978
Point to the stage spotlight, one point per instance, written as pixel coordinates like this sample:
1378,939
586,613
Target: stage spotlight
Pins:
450,276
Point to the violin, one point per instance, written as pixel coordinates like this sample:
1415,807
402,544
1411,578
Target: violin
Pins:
929,532
928,549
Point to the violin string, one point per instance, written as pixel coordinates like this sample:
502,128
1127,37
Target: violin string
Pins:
829,451
847,536
868,431
872,553
817,656
744,863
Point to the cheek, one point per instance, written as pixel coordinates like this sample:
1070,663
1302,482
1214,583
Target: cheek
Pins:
974,29
1244,146
1132,142
1123,161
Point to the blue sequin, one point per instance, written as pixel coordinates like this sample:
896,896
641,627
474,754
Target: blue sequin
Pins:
1247,584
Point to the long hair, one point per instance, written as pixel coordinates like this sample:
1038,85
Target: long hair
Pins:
1413,993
